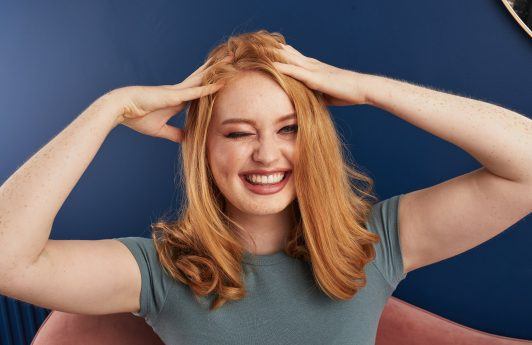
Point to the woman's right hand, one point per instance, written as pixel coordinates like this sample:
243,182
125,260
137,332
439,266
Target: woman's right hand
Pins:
147,109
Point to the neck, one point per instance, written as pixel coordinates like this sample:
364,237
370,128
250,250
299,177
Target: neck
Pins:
269,231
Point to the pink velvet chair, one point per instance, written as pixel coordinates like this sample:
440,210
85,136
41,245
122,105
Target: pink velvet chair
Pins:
401,323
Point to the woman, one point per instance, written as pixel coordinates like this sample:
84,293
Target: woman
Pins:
276,242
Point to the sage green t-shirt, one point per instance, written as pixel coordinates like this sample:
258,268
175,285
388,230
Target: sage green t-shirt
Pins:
283,304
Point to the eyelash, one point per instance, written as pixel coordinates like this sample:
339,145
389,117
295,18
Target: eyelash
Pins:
237,135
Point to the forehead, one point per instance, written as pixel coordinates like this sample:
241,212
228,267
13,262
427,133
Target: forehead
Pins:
252,95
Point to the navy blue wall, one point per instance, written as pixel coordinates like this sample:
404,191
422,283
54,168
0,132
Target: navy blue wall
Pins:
58,57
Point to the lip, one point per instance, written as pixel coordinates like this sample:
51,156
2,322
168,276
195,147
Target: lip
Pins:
267,189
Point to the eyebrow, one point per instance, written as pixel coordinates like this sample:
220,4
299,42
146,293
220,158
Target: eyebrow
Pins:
252,122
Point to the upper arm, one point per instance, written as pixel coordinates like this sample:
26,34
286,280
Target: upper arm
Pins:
454,216
80,276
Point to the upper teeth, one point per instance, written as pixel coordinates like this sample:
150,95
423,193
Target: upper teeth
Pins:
274,178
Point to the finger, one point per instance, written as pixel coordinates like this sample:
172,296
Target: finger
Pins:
298,73
295,59
195,78
197,92
192,80
154,98
203,68
206,89
165,97
289,48
171,133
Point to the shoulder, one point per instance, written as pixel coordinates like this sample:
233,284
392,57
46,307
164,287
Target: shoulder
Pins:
141,248
155,280
383,221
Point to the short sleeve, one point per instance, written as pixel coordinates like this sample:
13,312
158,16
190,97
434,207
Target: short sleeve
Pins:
155,281
383,220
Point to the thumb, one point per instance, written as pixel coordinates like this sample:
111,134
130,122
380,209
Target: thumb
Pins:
171,133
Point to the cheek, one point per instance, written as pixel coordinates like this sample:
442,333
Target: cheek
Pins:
290,151
226,159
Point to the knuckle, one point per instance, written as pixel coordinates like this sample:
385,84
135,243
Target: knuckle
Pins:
129,108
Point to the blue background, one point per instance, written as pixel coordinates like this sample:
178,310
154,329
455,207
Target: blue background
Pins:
58,57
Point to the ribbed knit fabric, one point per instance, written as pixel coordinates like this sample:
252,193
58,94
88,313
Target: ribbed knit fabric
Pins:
283,304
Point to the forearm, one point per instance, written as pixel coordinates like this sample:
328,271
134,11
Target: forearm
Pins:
500,139
32,196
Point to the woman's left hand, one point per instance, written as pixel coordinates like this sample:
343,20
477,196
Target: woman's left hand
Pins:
338,86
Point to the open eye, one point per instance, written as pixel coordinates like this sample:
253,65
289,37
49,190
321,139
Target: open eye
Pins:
293,128
236,135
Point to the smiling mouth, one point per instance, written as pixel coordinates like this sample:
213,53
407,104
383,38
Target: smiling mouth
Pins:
269,188
249,179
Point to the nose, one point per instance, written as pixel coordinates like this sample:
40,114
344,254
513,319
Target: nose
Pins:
267,151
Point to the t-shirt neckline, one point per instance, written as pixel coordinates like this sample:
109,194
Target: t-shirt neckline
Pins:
264,260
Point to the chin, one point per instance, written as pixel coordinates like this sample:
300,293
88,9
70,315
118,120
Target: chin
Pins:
262,205
262,209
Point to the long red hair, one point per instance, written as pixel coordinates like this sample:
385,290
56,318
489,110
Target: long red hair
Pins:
198,247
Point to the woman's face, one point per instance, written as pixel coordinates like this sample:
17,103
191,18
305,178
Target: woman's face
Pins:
266,143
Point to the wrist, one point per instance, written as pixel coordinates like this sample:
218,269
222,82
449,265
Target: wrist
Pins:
109,104
106,110
371,87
